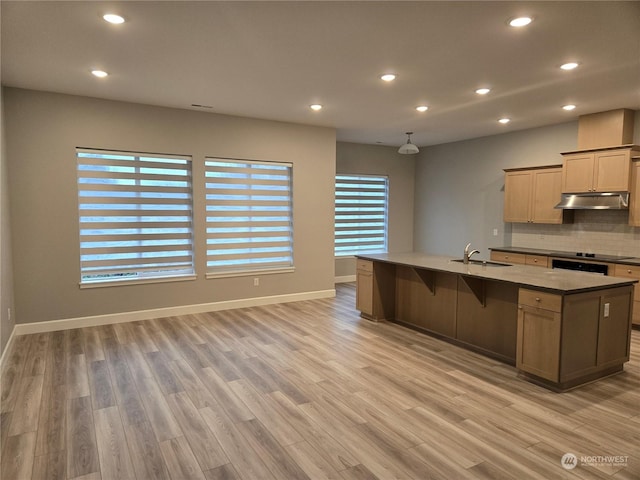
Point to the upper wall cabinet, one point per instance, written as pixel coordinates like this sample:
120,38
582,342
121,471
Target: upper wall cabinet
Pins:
530,195
597,171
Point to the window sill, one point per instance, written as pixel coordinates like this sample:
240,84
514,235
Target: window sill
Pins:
249,273
138,281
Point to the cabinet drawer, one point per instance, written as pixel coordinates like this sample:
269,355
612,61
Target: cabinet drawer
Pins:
537,260
534,298
364,265
627,271
630,271
507,257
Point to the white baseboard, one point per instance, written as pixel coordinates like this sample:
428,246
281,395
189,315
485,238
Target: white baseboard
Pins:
80,322
345,279
7,347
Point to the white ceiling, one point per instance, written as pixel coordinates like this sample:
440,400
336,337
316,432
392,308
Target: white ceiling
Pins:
272,59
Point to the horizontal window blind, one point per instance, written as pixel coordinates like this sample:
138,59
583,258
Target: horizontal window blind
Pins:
249,215
360,214
135,216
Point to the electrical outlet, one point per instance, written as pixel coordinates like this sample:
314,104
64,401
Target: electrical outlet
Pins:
606,310
495,232
256,282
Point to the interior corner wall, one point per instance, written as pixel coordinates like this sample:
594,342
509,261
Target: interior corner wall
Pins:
43,130
459,192
354,158
6,271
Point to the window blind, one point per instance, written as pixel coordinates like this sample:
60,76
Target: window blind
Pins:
135,214
249,216
360,214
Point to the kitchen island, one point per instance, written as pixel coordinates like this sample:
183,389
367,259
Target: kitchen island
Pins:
560,329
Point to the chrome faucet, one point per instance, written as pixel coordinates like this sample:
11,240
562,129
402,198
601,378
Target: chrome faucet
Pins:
468,254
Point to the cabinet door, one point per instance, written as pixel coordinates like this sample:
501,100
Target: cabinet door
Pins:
612,171
634,203
364,292
547,190
517,196
538,343
614,328
577,173
631,271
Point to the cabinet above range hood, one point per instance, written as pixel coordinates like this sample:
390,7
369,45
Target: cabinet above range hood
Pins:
597,175
594,201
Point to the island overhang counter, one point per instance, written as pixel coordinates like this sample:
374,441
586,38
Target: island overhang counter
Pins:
560,328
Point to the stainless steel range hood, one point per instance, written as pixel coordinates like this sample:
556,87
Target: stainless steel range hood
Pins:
594,201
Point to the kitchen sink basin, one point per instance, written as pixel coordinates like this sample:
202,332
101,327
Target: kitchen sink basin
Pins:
483,263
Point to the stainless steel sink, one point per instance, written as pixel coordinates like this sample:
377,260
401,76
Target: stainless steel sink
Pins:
483,263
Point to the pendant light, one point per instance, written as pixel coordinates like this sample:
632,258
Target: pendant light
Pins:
408,148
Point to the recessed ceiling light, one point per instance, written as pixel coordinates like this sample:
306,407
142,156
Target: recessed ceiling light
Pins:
483,91
520,21
388,77
568,107
315,107
504,121
569,66
99,73
113,18
422,108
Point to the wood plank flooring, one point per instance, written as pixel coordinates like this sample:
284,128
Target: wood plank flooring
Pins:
304,390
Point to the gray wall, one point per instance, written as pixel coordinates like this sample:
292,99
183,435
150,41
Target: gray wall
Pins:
43,130
459,186
360,159
6,271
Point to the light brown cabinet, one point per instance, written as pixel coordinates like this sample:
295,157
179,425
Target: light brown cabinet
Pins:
507,257
520,259
375,289
634,203
530,195
567,339
537,260
539,330
599,171
364,286
631,271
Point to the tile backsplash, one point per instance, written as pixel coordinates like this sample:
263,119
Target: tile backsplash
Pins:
593,231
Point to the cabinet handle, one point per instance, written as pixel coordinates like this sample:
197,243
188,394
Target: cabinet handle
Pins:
628,271
537,299
519,307
535,260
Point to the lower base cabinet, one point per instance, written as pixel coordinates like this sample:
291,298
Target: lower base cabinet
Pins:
567,339
375,289
631,271
539,330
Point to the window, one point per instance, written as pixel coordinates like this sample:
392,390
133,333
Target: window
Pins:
135,216
249,216
361,214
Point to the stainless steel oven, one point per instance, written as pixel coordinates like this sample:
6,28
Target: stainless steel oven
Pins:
565,264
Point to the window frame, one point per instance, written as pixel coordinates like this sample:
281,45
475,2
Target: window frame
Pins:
178,238
363,178
251,267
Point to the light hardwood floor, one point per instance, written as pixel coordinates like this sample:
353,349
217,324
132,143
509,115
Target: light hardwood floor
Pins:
296,391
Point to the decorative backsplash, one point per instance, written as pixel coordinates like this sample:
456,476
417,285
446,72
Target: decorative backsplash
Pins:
593,231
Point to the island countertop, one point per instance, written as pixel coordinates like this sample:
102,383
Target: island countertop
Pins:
564,282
